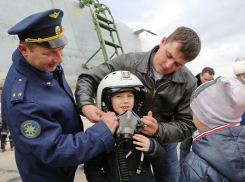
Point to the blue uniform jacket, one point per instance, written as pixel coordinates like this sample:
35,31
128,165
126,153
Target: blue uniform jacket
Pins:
41,114
218,156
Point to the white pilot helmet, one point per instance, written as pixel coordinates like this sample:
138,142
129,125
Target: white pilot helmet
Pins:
239,66
116,82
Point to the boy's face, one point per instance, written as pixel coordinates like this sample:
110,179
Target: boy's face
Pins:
122,101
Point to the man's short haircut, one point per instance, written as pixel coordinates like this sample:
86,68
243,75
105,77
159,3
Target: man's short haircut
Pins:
190,43
208,70
29,45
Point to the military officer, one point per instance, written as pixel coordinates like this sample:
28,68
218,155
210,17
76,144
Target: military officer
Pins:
39,108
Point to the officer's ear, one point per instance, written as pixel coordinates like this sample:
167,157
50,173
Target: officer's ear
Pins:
23,50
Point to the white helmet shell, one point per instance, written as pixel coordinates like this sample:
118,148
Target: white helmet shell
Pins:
117,80
239,67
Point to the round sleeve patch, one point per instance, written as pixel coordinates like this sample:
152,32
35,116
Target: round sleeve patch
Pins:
30,129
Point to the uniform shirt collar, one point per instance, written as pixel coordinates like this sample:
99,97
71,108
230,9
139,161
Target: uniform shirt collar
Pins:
29,71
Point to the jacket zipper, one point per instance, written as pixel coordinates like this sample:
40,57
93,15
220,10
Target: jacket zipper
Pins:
155,90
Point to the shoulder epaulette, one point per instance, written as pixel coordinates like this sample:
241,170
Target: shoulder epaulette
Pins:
18,90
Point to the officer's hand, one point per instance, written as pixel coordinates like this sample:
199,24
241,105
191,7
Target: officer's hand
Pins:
142,141
92,113
152,126
110,119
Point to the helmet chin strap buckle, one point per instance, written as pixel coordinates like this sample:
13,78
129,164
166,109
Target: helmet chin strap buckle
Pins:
129,123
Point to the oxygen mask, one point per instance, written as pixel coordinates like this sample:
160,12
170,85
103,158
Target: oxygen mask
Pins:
129,123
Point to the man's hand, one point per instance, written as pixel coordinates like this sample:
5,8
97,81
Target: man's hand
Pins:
110,119
92,113
152,126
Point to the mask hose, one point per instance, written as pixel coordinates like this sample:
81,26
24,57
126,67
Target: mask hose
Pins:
121,161
129,123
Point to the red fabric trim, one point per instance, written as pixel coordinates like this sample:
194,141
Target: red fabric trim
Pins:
211,131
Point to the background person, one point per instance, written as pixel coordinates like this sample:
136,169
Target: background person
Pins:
39,107
206,75
118,94
169,85
239,67
239,71
4,133
218,151
1,122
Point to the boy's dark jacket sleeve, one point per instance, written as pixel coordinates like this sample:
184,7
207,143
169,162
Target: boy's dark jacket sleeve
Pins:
158,154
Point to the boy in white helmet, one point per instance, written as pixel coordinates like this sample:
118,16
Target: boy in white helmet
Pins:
239,71
123,93
218,151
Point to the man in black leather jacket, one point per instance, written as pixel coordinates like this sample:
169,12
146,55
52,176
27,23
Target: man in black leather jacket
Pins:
169,86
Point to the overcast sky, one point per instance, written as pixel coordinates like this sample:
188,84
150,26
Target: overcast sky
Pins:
220,25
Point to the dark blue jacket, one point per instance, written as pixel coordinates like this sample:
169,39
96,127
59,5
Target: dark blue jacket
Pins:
104,168
41,114
243,119
217,156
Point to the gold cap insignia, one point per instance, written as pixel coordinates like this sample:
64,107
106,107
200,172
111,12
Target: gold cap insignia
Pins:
19,94
54,15
48,83
14,94
57,30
